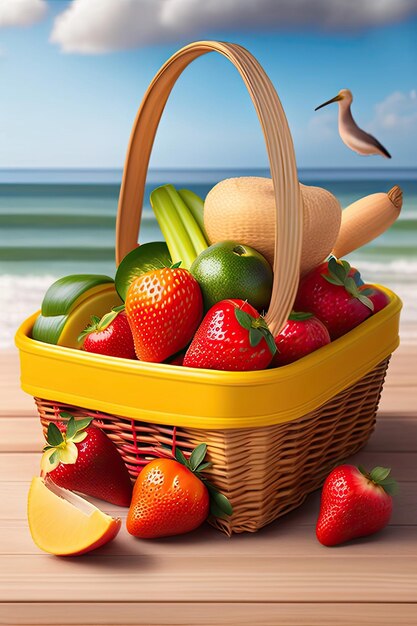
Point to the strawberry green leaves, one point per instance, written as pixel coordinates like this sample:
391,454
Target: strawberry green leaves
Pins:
381,476
338,274
258,329
75,429
49,461
255,337
379,473
244,319
96,324
219,504
299,316
197,456
54,436
61,446
196,459
66,453
181,458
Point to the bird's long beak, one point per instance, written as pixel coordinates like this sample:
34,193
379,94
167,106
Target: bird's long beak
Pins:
335,99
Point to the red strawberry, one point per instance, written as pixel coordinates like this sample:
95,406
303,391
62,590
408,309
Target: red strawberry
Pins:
164,308
331,294
378,298
354,504
303,333
109,335
84,459
171,497
232,336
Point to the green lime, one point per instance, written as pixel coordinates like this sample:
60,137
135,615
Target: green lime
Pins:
228,269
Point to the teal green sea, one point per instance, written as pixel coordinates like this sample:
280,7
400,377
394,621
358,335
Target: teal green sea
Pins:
59,222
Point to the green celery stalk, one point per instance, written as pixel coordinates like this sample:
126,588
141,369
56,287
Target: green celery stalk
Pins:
191,225
178,241
196,206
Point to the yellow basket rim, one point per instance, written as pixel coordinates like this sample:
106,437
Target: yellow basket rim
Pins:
24,342
206,399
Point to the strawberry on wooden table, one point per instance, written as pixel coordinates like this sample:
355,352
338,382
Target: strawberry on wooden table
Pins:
354,503
232,336
82,458
303,333
331,293
164,307
110,335
171,497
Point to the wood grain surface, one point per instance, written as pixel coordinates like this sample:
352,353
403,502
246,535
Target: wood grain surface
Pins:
281,575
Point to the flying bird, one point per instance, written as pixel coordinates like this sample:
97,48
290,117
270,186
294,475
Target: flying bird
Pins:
354,137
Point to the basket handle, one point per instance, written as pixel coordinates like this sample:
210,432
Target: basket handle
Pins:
288,236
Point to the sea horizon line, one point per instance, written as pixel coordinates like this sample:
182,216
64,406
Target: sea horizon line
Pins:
196,175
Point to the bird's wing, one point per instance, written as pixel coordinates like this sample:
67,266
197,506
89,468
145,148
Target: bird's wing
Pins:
377,144
356,138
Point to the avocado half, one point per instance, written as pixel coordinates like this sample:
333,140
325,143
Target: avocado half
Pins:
144,258
68,305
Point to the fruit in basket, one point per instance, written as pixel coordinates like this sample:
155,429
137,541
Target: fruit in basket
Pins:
303,333
356,275
164,308
82,458
243,209
63,523
378,297
195,205
171,497
68,305
179,218
331,294
110,335
144,258
232,336
354,503
230,270
366,219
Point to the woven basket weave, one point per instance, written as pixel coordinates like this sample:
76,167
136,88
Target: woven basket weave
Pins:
265,472
279,455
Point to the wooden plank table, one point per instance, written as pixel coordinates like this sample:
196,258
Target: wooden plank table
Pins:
281,575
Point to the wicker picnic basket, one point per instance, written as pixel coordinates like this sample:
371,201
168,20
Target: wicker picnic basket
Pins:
272,435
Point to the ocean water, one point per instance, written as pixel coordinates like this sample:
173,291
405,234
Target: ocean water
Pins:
57,222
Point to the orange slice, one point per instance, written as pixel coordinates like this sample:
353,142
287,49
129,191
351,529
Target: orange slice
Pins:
65,524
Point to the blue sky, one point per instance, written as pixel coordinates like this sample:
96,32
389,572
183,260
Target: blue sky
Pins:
71,109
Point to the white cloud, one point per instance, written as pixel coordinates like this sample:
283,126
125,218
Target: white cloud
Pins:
21,12
325,14
397,113
96,26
